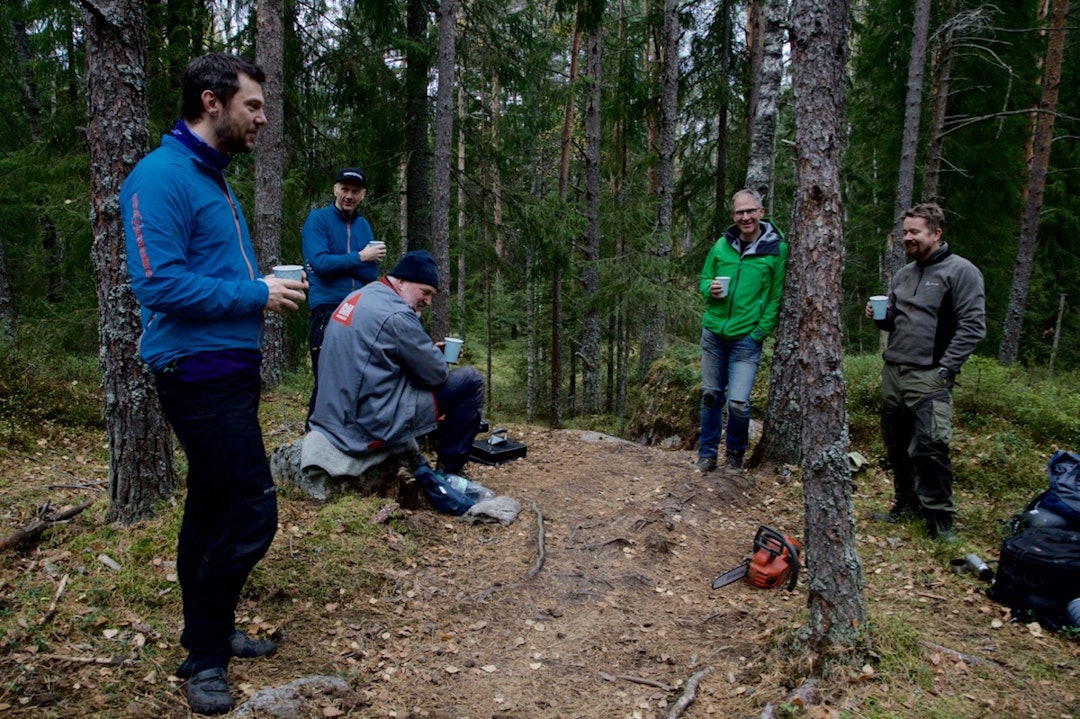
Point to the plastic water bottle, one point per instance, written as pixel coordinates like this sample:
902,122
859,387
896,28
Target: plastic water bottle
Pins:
473,490
1073,610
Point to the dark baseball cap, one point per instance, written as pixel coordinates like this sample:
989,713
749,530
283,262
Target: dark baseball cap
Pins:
352,174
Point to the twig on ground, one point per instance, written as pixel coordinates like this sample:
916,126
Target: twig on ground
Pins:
928,595
98,485
966,658
105,661
56,598
688,695
540,555
636,680
39,525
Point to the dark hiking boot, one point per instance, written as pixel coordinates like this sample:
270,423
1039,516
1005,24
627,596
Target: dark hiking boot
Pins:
733,460
208,692
939,525
705,464
241,646
901,511
244,647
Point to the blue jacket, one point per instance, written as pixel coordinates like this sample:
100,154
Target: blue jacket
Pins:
331,245
190,256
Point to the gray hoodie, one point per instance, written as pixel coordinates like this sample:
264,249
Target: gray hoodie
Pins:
378,369
937,312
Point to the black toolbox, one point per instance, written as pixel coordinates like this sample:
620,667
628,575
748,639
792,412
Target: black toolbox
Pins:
496,448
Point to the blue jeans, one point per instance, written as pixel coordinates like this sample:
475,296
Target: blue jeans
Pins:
728,369
459,401
230,514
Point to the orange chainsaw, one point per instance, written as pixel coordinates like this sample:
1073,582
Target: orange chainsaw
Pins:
775,560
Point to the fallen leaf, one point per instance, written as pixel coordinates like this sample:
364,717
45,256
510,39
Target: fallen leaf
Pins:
331,712
535,665
451,669
110,633
489,668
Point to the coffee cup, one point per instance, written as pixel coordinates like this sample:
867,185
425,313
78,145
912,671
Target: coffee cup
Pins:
289,272
880,305
452,349
725,282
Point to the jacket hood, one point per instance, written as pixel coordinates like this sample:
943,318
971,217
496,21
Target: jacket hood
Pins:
767,244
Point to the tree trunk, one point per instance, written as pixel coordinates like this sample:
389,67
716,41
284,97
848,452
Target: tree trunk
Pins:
1038,165
721,206
837,613
7,301
417,152
909,142
556,401
653,338
444,145
942,73
755,46
460,301
269,167
763,114
140,453
591,395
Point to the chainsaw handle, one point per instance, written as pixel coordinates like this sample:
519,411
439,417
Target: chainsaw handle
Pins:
765,535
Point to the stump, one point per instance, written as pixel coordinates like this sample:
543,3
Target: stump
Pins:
387,473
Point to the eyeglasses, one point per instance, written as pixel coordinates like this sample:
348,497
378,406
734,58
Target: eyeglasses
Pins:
746,213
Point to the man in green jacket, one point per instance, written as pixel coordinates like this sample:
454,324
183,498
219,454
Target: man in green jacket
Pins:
741,282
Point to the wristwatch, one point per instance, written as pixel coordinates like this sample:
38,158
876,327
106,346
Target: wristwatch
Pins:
946,374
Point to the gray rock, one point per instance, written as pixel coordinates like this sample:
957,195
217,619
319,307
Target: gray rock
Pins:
287,702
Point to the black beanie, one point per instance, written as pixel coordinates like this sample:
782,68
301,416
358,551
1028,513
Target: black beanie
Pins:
417,266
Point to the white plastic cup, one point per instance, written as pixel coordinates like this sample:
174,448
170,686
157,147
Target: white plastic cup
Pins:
289,272
880,305
452,349
725,282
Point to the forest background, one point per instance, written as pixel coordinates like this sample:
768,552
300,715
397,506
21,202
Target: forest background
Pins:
573,236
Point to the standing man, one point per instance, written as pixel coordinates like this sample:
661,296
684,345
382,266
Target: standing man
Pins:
193,271
340,255
936,316
741,310
385,382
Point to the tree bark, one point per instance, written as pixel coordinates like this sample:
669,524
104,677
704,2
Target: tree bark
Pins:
720,205
763,115
444,145
140,453
591,394
417,151
837,612
942,65
909,143
269,168
653,337
1038,165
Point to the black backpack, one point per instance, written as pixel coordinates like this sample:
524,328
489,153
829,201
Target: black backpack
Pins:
1038,575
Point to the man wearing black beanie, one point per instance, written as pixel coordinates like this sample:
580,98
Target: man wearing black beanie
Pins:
383,382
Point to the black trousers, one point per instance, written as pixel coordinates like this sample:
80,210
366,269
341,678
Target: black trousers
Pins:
230,514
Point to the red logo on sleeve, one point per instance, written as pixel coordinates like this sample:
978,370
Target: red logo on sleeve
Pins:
344,312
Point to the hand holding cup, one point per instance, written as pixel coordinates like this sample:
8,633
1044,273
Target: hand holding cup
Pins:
719,287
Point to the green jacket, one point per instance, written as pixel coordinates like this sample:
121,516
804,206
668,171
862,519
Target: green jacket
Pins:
752,305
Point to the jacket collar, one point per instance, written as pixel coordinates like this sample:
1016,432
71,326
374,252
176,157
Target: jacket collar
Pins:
217,160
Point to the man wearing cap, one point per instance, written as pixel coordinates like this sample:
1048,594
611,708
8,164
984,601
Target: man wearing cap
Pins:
383,382
340,256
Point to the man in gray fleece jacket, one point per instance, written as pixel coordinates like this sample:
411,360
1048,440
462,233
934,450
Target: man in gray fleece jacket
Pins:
383,382
936,316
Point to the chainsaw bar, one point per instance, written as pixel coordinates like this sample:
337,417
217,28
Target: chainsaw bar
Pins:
731,575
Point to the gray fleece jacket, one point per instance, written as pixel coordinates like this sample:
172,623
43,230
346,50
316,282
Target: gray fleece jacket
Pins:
937,312
378,369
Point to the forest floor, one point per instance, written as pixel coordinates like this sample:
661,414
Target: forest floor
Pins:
429,616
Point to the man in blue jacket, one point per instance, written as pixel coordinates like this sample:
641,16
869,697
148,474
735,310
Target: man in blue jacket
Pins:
193,270
340,255
384,382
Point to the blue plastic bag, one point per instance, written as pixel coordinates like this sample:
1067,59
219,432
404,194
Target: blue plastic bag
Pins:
446,498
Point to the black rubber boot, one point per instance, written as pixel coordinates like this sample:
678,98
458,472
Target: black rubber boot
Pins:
903,510
939,525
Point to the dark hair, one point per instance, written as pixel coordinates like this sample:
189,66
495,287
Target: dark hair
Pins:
930,213
217,72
